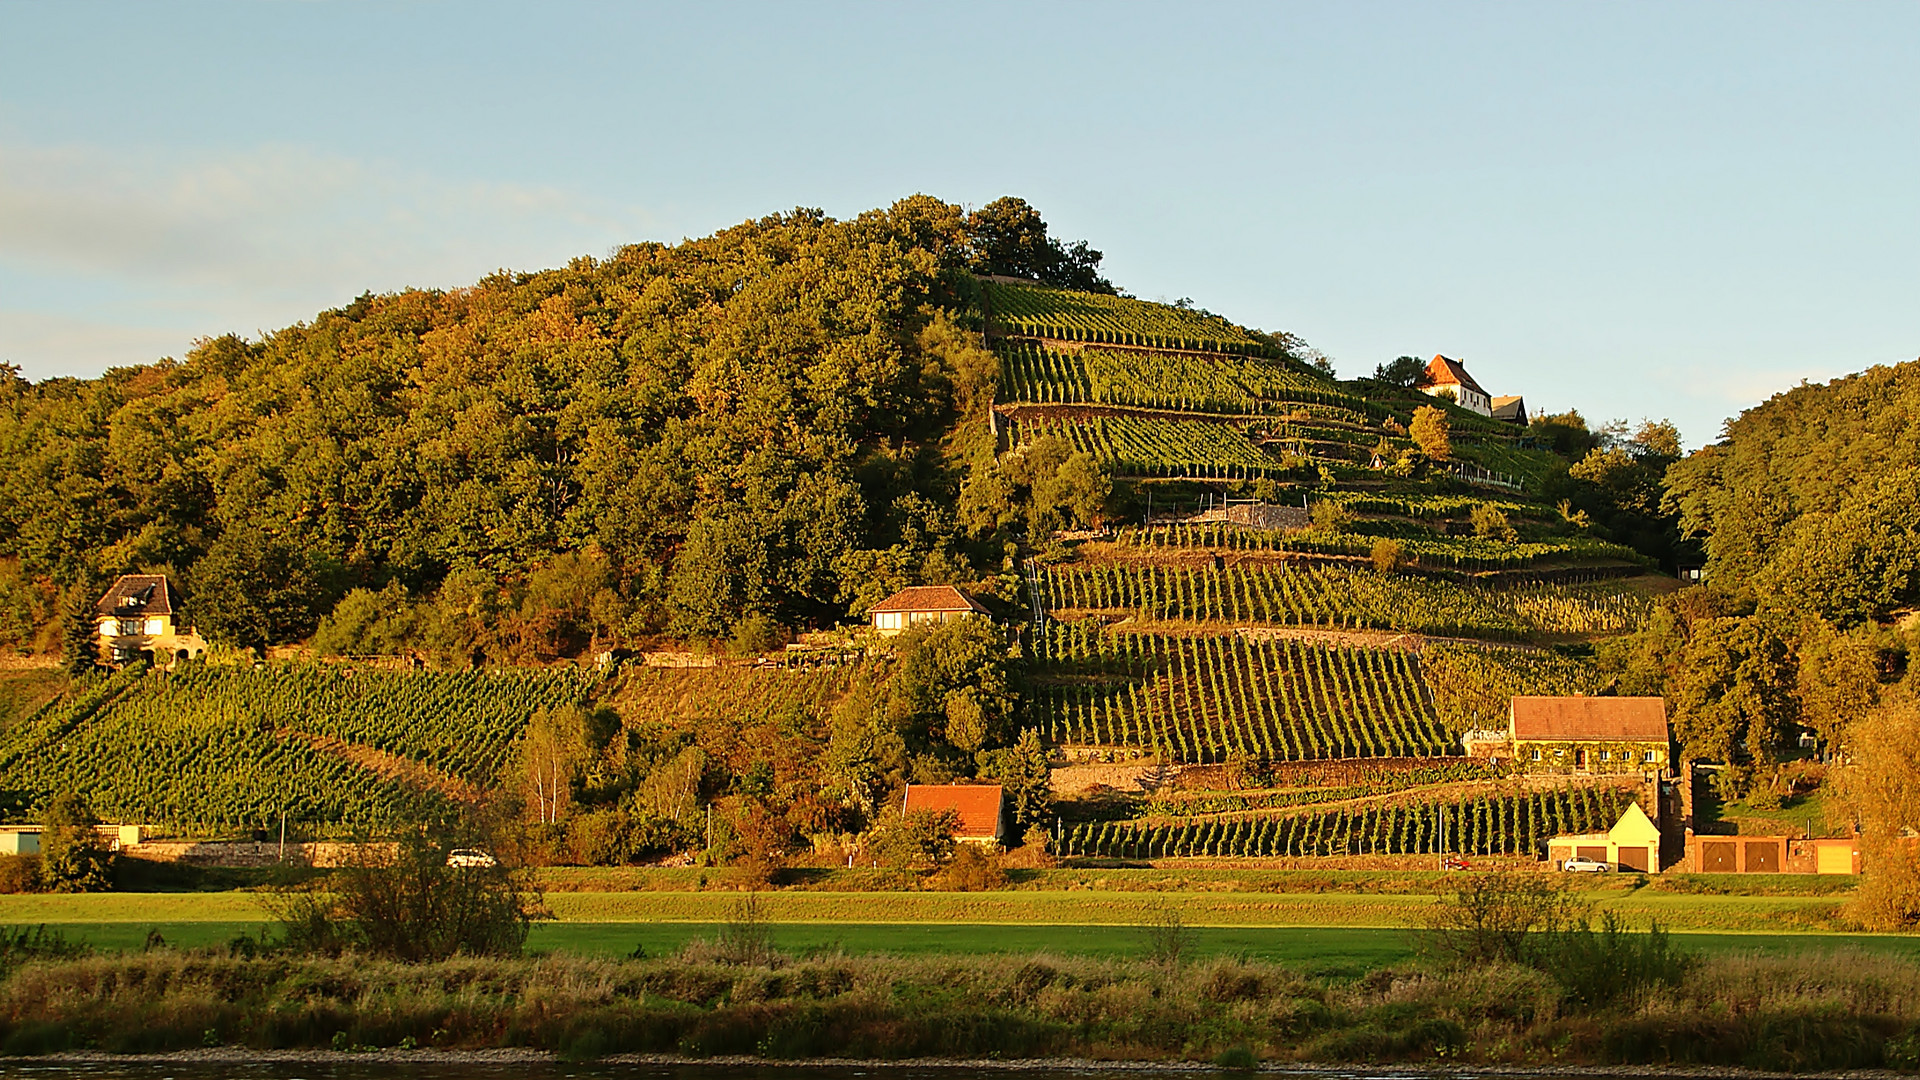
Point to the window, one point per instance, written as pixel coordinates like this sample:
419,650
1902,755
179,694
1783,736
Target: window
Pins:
1606,755
127,627
156,626
1652,756
1536,755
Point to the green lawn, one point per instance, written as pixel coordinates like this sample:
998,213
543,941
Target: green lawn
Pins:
1088,907
1330,951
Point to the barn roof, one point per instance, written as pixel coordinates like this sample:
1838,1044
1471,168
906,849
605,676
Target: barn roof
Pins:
1444,372
138,594
977,804
1590,719
1510,407
928,598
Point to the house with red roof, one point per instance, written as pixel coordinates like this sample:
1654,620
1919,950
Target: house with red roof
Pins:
1449,379
1589,734
981,807
920,605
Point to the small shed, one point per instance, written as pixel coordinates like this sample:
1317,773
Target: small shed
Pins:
20,841
920,605
982,808
1632,844
1512,408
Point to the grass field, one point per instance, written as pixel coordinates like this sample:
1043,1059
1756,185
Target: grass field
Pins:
1084,907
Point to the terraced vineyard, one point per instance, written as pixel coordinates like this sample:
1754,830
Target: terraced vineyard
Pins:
1201,699
1140,447
1039,311
221,746
1220,383
1337,597
1468,553
1517,824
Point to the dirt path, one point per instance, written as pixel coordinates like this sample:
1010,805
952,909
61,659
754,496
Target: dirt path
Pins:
389,766
1405,641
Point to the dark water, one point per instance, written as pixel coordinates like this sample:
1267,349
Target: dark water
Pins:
391,1070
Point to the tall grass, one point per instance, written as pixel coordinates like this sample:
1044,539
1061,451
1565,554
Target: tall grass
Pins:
1809,1011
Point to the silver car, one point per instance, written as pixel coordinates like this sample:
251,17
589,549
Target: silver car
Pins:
1580,864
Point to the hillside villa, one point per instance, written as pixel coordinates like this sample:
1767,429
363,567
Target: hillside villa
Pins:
136,617
1589,734
1449,379
922,604
982,808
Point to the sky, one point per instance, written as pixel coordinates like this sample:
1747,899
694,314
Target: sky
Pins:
1640,210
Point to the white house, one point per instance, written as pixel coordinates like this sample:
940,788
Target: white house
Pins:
1449,379
922,604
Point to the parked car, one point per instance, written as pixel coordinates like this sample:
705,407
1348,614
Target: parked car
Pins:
1580,864
470,857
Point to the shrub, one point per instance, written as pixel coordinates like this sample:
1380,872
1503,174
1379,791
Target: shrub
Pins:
1492,524
71,858
1499,917
19,873
1388,555
971,870
1597,967
403,901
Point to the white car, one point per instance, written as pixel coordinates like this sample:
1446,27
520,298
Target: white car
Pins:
1580,864
470,857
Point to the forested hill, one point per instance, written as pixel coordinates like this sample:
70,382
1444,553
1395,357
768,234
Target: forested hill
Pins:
1813,498
757,425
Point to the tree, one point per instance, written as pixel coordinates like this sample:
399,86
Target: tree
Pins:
79,631
1009,237
915,840
1406,371
1024,773
1430,432
1881,786
552,751
1491,524
71,856
403,901
254,590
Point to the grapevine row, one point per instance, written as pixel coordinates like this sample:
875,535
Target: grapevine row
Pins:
1487,825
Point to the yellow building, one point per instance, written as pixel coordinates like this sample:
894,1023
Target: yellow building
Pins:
920,605
1632,844
136,618
1589,734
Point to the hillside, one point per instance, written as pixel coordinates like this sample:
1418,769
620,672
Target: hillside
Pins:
727,442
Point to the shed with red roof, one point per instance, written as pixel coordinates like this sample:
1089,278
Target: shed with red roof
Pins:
922,604
981,807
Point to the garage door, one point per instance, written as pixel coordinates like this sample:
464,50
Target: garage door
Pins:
1597,854
1634,858
1763,857
1834,858
1718,858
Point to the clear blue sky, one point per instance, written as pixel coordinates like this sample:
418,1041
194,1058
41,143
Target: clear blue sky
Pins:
1633,209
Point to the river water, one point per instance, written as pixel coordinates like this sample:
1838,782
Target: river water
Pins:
546,1070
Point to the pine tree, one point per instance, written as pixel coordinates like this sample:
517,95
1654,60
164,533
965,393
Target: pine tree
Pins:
79,640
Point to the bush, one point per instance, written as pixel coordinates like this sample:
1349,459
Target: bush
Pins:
20,873
971,870
1597,967
1499,917
71,858
1388,555
403,901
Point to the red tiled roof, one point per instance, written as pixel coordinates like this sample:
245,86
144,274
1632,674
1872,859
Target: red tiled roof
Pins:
1444,372
977,804
1590,719
138,594
928,598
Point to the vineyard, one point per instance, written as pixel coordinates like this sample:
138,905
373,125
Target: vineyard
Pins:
1486,825
1222,383
1039,311
1438,771
1202,699
1465,553
1338,597
1472,685
1141,447
220,746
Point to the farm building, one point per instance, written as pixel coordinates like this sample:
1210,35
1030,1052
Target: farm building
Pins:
1632,844
982,808
922,604
1772,855
1589,734
1449,379
136,616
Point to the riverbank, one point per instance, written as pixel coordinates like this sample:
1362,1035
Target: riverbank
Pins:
1807,1012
